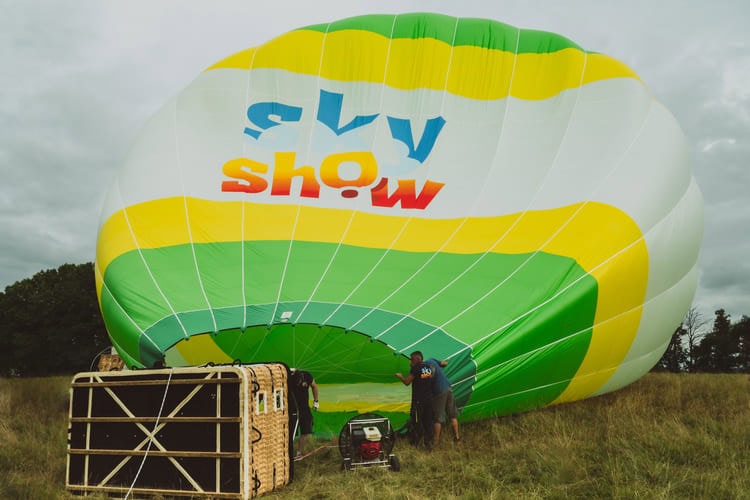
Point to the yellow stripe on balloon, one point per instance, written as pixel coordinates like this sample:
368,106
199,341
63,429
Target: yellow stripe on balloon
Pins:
424,63
163,222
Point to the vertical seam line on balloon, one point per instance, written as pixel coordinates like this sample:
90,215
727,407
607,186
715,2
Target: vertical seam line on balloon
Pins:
148,269
517,220
299,203
125,313
616,166
383,85
553,163
464,220
353,213
180,169
243,203
410,217
386,251
685,274
243,284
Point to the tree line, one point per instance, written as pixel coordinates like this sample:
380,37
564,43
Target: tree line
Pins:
723,348
50,324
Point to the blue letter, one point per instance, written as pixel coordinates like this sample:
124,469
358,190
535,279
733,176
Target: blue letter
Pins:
329,113
401,131
259,115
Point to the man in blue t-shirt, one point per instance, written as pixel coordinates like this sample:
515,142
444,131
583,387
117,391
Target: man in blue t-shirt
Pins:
443,402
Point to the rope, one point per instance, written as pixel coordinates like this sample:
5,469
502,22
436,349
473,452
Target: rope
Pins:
151,438
313,452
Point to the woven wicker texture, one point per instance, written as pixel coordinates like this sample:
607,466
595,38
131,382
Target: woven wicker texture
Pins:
269,427
109,362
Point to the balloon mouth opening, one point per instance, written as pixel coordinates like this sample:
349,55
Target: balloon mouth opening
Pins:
297,333
336,354
339,344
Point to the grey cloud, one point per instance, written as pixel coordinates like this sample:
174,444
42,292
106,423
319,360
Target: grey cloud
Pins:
80,78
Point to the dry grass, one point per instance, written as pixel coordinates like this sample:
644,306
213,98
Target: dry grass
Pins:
33,433
666,436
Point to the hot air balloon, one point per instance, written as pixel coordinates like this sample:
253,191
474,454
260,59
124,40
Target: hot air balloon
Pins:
350,192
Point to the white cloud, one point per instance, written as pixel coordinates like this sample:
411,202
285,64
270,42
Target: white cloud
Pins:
713,143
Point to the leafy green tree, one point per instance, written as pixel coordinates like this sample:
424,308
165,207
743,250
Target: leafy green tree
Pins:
50,323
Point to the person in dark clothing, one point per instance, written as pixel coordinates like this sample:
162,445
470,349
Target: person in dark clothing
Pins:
299,386
421,380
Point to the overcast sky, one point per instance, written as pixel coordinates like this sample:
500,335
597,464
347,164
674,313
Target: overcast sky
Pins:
79,78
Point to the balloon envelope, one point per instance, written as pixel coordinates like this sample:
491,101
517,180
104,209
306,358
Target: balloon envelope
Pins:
351,192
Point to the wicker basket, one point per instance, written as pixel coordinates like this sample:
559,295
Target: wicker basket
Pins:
216,432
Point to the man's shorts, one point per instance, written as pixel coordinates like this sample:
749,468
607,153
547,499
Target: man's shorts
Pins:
444,406
305,421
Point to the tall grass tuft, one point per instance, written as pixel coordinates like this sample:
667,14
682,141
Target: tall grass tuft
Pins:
33,432
665,436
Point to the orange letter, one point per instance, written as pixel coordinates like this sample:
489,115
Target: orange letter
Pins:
284,170
236,169
368,169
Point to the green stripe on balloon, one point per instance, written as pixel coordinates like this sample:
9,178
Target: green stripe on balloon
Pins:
470,32
473,294
534,328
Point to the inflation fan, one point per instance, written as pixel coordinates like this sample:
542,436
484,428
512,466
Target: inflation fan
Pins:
367,441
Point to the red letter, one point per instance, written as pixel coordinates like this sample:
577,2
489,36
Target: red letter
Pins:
404,193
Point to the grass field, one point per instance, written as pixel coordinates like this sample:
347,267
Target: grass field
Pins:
665,436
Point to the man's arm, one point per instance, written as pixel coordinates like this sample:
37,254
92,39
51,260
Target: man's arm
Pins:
315,393
314,389
442,363
405,380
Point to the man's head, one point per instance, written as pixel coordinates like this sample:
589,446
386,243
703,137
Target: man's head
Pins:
415,358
